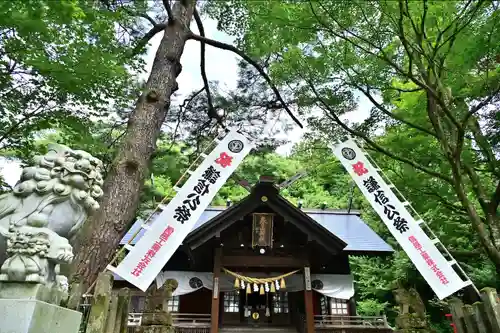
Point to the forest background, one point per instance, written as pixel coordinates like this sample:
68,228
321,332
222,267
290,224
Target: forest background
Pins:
72,71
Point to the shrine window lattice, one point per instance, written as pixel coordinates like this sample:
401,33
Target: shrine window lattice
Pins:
137,304
280,302
173,304
338,307
231,301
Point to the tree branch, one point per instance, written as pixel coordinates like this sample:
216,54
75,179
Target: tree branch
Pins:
133,13
391,114
495,200
112,143
408,48
147,37
170,14
211,110
451,206
424,72
382,55
477,186
373,144
26,116
482,104
182,108
259,68
424,15
442,32
484,147
403,90
149,18
458,28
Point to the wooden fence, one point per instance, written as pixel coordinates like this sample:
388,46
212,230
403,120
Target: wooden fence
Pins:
483,316
350,321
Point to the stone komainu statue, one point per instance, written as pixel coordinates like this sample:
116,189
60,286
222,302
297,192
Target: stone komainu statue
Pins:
412,316
46,207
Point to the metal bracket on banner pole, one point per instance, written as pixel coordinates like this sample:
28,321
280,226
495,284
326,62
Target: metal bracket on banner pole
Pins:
293,179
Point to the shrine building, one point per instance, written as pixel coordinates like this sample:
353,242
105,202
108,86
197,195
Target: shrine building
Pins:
265,263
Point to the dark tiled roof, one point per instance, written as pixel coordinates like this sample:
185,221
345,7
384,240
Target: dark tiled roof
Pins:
348,227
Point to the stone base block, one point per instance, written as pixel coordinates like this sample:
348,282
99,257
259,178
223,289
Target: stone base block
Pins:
152,329
33,316
156,318
33,291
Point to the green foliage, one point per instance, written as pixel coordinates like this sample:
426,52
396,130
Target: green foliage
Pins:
61,64
312,190
398,56
167,167
431,72
371,307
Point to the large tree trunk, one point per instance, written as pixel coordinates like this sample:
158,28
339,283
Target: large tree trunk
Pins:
103,231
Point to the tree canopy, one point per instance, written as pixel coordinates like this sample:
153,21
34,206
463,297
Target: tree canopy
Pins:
430,69
61,64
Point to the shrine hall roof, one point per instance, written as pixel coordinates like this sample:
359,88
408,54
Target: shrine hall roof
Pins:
349,227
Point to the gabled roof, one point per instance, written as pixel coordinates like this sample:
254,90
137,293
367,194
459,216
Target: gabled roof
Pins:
336,225
265,193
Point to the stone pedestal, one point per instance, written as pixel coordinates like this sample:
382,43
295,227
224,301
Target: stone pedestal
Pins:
18,290
34,316
153,329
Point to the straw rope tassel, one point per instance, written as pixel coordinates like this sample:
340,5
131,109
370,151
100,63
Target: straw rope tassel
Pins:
237,283
273,290
282,284
262,289
249,289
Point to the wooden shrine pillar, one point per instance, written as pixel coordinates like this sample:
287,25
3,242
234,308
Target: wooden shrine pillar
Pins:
308,299
215,293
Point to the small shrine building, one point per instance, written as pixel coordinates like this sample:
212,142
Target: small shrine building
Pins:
264,262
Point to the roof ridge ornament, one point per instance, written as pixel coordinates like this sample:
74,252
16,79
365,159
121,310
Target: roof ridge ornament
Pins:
293,179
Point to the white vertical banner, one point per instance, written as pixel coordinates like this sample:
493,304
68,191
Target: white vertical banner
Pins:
421,250
161,239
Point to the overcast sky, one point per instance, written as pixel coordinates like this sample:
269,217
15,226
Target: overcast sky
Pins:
221,66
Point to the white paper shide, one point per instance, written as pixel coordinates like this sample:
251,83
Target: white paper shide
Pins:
433,266
147,258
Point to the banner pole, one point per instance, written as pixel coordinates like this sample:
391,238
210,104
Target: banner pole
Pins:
438,267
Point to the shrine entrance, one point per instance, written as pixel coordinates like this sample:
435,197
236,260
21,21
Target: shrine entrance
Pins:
266,257
295,265
255,309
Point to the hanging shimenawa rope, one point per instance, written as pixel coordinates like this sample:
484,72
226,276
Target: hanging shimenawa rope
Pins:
259,281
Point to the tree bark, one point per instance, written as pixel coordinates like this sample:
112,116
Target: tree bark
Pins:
103,231
487,236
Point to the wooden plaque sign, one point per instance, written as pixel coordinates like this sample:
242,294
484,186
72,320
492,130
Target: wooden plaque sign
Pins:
216,288
307,278
262,230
